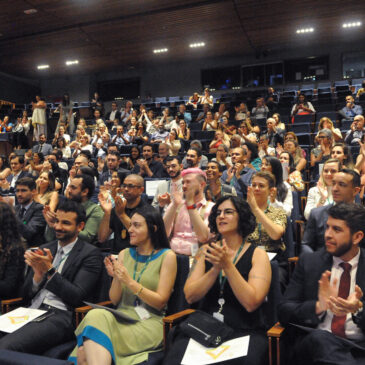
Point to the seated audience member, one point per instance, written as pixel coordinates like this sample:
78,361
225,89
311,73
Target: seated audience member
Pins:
114,114
215,189
183,132
35,162
184,114
118,219
46,190
241,112
274,133
61,134
173,142
206,98
209,124
253,158
62,275
351,110
223,112
321,194
270,221
361,90
284,196
101,128
17,171
354,135
80,190
166,117
134,155
4,167
194,100
121,138
112,163
203,114
164,188
104,339
240,174
342,152
6,125
141,136
235,298
236,141
186,217
294,179
18,138
326,123
247,132
163,151
264,148
57,156
325,295
221,156
322,152
146,166
220,138
302,106
98,119
226,126
31,223
295,151
260,111
42,146
279,122
84,145
161,134
194,156
11,253
126,112
360,164
345,187
61,145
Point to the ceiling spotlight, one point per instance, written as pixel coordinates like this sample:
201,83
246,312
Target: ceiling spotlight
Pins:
195,45
351,25
305,30
161,50
42,67
74,62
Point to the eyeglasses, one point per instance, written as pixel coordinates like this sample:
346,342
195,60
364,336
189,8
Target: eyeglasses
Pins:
321,137
226,212
130,186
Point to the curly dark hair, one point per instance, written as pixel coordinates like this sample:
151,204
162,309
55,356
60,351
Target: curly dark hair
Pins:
10,238
246,219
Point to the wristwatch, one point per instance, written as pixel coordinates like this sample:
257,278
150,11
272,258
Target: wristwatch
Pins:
356,316
189,207
51,271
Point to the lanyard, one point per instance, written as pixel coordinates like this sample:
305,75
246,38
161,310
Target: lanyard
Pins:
63,259
144,267
223,280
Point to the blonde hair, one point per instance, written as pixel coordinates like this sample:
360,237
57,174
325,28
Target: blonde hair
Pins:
322,121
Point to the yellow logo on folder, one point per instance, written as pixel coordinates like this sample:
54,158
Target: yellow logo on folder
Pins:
215,353
17,320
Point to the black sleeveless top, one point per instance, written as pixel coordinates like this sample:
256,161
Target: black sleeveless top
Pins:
235,315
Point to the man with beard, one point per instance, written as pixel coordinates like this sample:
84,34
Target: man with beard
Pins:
146,166
161,134
29,213
80,189
112,163
117,220
325,294
345,187
194,156
163,192
62,275
186,220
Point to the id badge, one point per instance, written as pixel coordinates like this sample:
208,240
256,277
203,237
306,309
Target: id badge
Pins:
218,316
194,249
142,312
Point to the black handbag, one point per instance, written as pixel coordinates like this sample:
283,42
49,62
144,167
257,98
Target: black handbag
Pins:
205,329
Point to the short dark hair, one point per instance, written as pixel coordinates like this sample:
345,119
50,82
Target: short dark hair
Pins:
246,219
67,205
87,183
114,153
21,159
86,170
253,148
171,158
197,150
26,181
156,227
268,176
147,144
353,214
356,179
86,153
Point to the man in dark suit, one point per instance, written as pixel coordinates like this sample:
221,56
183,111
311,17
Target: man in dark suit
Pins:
325,294
17,172
29,213
113,114
42,146
63,274
112,163
345,187
147,167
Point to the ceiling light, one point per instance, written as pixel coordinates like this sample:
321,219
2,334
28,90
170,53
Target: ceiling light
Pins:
351,25
161,50
42,67
305,30
74,62
30,11
195,45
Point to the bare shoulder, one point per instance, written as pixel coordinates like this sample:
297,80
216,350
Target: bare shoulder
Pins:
260,257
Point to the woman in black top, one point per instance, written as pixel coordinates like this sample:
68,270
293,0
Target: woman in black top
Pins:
11,253
230,278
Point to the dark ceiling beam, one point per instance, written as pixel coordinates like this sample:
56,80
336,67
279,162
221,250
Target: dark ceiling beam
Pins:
116,18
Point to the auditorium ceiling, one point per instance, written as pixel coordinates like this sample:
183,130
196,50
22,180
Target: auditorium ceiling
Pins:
113,34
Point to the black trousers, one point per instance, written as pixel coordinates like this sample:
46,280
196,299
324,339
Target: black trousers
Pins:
38,337
321,347
257,350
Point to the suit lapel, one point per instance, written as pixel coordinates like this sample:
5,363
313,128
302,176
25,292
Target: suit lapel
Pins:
360,274
72,256
28,213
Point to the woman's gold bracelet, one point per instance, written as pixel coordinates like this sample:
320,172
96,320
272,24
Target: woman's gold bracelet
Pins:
139,291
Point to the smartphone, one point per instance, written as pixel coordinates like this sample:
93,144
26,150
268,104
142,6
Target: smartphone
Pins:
37,250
